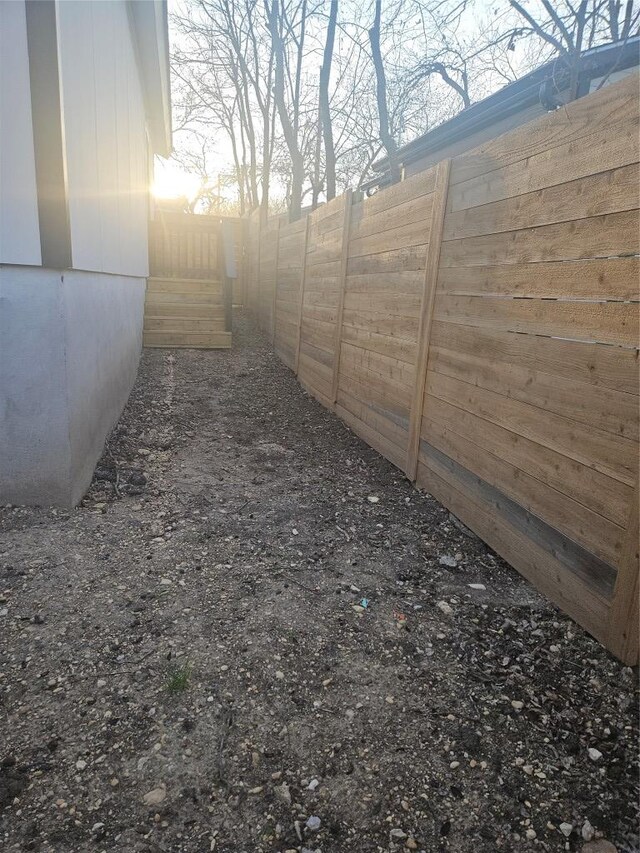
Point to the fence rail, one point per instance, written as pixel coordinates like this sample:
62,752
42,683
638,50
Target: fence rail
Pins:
477,324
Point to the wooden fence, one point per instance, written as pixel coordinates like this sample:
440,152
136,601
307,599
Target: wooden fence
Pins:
195,263
477,324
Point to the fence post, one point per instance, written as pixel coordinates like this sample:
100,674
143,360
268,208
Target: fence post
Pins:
623,618
346,228
432,264
303,278
275,287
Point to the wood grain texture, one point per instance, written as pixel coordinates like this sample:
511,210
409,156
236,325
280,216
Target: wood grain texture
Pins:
483,336
623,624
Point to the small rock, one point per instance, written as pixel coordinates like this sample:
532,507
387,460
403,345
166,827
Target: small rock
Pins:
313,784
445,608
566,829
448,560
279,675
411,844
313,823
587,831
517,705
531,834
283,793
594,754
476,586
155,797
81,765
373,499
397,833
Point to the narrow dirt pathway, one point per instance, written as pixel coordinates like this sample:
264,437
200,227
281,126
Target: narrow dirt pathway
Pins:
254,635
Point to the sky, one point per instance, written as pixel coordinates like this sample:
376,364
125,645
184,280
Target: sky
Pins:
173,180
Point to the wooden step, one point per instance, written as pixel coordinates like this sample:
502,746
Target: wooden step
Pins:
190,340
183,285
194,310
183,324
211,297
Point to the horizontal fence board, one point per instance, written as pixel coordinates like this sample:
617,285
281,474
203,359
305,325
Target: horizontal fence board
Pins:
607,107
373,438
398,304
417,185
604,149
599,365
599,492
607,453
408,282
384,324
387,427
607,410
416,212
605,236
402,349
608,322
595,533
398,260
593,195
598,278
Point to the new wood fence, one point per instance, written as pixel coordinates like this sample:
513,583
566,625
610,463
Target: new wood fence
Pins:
195,262
477,324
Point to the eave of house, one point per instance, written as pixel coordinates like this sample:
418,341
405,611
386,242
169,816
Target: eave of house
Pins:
149,24
514,98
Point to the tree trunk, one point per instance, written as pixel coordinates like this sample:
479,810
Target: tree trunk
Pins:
297,162
325,110
381,97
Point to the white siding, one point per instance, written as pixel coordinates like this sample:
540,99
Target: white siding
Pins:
19,229
105,137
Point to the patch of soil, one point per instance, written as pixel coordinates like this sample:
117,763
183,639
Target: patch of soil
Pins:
254,635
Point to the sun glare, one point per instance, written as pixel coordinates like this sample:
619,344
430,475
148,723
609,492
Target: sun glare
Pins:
172,182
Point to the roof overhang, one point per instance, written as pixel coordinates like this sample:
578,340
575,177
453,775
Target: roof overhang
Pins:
513,98
151,36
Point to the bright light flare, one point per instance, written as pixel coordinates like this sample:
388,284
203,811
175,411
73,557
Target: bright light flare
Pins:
170,181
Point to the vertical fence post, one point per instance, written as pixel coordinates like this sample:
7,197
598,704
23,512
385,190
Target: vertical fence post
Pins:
275,287
342,284
623,627
303,278
432,264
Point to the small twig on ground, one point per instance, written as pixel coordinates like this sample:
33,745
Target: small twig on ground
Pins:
301,585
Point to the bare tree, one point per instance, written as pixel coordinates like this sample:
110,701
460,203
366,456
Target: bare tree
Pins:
325,107
571,28
386,137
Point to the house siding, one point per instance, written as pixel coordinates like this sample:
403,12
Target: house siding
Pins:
105,138
70,339
19,229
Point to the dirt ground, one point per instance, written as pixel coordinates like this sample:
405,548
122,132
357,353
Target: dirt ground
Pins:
254,635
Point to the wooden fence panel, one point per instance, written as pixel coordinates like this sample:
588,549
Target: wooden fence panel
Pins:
482,332
538,449
321,299
291,259
382,307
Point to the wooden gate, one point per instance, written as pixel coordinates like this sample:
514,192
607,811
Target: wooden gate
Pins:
192,264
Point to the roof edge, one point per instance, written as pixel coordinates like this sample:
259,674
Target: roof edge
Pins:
149,20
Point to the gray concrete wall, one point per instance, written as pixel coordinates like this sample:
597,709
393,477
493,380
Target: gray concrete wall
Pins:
69,350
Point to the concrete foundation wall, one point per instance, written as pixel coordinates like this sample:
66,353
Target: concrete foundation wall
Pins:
70,345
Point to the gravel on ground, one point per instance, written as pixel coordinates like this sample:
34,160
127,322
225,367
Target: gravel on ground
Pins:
254,635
